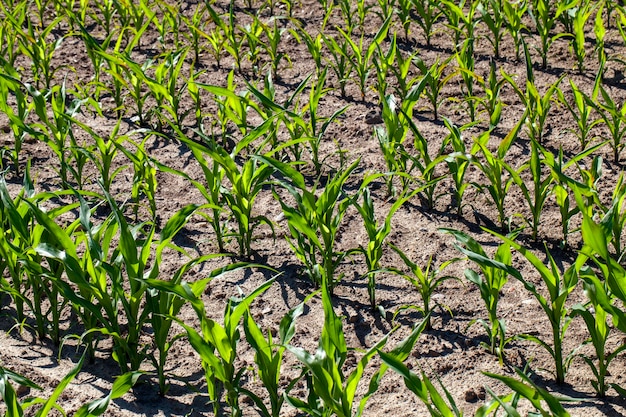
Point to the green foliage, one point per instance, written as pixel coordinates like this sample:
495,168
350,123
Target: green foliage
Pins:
314,220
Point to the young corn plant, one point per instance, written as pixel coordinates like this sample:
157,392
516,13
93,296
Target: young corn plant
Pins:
606,295
164,303
32,279
581,14
17,116
424,280
429,13
384,65
268,357
403,11
36,47
495,169
426,165
397,119
493,16
495,275
361,57
537,106
436,79
462,20
581,111
491,101
423,388
339,60
613,116
377,234
103,153
537,192
458,161
563,183
514,12
145,181
252,32
314,220
111,280
56,130
331,392
245,184
274,33
466,64
559,284
595,318
217,345
168,74
545,14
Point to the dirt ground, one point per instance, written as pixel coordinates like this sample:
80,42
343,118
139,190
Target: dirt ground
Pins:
451,351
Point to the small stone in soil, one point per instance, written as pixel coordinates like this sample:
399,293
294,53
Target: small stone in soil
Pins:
471,396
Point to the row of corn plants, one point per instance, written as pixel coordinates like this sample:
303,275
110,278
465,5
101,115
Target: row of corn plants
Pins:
248,139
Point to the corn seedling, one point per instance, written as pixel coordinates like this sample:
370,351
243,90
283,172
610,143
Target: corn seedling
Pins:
166,298
217,345
494,277
144,174
423,388
385,8
495,169
314,220
17,117
168,100
274,33
595,318
429,13
361,57
545,16
559,285
401,69
403,11
32,280
340,60
462,20
435,80
535,194
424,280
514,11
397,120
384,64
458,161
581,111
466,63
537,106
36,47
377,234
491,102
268,356
313,44
563,183
580,16
330,390
493,16
252,32
245,184
425,164
613,117
211,187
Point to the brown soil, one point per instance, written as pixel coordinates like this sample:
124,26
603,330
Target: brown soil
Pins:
451,351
